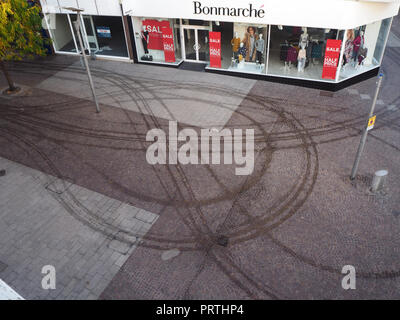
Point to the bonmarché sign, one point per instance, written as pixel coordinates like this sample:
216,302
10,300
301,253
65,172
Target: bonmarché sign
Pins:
247,12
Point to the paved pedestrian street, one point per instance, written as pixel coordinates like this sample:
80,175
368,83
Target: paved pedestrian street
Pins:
80,195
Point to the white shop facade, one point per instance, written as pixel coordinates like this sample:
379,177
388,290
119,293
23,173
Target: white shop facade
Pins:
326,43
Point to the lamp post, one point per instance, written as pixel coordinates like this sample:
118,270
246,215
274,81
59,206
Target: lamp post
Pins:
365,132
77,25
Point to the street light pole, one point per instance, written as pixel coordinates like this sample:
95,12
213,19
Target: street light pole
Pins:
77,24
365,133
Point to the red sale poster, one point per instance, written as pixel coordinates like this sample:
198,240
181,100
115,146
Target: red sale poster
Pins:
331,60
168,43
155,27
215,49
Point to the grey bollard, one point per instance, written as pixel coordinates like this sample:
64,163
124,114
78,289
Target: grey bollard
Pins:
379,180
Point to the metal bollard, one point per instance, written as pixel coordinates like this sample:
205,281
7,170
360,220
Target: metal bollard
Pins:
379,180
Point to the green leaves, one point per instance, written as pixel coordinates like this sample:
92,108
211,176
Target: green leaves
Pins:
20,30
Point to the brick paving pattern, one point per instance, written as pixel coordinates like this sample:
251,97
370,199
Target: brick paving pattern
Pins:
80,194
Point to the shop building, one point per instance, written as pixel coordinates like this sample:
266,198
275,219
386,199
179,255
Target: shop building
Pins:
328,44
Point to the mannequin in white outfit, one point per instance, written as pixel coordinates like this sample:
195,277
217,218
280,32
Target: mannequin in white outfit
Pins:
304,37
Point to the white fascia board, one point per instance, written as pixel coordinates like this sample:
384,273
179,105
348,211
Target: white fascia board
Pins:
333,14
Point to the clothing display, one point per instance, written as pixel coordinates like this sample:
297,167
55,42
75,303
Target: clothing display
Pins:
301,64
283,52
302,54
260,43
250,44
259,57
316,51
235,42
291,54
308,52
304,39
242,51
357,43
145,39
348,49
362,54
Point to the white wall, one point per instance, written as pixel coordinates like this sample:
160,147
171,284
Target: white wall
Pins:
334,14
92,7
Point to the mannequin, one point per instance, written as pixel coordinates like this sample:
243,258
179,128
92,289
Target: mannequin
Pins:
304,38
235,42
145,39
357,43
348,47
260,43
362,54
250,44
301,58
242,52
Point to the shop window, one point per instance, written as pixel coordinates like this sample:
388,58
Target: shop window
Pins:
62,35
106,36
381,42
364,48
243,46
300,51
157,40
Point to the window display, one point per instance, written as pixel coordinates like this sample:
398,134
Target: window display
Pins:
363,49
298,51
156,40
248,48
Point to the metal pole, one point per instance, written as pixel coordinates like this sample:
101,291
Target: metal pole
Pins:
365,133
77,27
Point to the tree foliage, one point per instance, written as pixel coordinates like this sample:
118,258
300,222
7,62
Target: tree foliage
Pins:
20,30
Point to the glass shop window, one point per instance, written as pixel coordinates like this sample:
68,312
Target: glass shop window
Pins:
300,52
157,40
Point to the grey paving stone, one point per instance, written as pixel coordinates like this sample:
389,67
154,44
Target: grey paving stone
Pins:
79,253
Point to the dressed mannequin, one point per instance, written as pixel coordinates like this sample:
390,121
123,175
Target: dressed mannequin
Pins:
304,38
348,47
242,52
235,42
144,35
260,44
362,54
357,43
250,44
301,58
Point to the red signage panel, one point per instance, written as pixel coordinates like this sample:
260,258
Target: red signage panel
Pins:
215,49
155,30
168,45
331,60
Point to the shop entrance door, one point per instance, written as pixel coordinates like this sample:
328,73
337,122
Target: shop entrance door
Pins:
196,45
